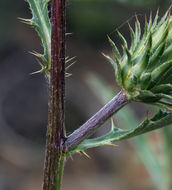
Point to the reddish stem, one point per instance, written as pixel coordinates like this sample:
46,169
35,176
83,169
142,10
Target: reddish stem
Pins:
55,131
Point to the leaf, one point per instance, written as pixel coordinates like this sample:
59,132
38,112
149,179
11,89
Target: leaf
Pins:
138,30
158,73
116,66
115,49
104,92
141,67
162,88
155,20
41,22
132,35
123,40
156,57
160,120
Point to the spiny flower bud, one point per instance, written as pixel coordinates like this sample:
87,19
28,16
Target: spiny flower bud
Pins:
144,71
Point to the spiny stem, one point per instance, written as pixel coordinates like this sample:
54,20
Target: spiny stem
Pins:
55,133
96,120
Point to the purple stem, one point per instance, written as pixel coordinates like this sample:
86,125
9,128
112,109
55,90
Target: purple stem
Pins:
55,131
96,121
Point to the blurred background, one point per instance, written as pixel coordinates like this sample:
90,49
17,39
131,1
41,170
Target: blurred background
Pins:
143,163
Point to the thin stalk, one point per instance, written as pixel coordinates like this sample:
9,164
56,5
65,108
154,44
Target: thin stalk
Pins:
54,159
96,121
60,172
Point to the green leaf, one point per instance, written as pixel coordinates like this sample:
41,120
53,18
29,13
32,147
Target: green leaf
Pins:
163,19
146,96
40,21
155,20
141,44
130,82
161,95
115,49
156,57
160,34
137,30
124,42
141,67
132,35
160,120
158,73
150,22
162,88
144,80
141,143
116,66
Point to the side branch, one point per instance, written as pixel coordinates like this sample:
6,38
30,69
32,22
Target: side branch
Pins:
96,120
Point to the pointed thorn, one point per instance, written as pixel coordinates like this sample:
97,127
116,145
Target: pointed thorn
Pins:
40,71
36,72
150,17
106,56
68,34
135,26
40,63
25,21
157,12
86,154
137,20
71,157
169,9
110,144
108,37
36,54
68,75
70,65
69,59
129,25
112,124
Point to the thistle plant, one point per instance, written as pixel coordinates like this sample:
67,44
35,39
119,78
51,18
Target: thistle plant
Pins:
143,72
144,69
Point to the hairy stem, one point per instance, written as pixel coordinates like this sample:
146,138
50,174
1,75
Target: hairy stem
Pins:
96,120
55,133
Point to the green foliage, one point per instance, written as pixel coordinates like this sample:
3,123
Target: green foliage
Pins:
161,119
146,149
40,21
144,74
144,69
